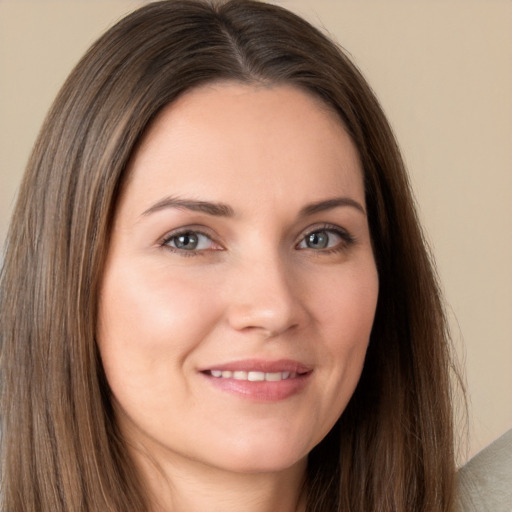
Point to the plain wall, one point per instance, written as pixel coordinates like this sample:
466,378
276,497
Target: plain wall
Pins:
443,72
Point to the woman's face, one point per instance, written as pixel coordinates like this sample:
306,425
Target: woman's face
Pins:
240,285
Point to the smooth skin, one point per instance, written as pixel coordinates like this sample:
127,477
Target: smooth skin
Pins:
240,235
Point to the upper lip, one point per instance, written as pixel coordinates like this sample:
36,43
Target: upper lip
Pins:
261,365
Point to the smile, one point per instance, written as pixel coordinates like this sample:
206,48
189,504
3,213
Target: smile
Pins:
259,380
252,376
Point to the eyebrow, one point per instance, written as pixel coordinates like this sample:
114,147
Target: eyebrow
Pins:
224,210
329,204
215,209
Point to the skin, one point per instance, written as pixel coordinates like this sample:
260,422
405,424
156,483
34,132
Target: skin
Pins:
258,286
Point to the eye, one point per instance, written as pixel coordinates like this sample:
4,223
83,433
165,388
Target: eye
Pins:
190,241
326,239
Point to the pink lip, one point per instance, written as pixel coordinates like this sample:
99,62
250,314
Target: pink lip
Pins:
261,391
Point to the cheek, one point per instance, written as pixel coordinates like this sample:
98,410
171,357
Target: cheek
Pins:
149,323
347,307
346,315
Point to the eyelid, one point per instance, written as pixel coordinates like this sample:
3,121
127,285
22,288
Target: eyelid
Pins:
200,230
347,237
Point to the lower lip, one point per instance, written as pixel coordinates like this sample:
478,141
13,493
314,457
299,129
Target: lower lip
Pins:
261,391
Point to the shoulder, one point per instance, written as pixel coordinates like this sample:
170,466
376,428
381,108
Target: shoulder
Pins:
485,482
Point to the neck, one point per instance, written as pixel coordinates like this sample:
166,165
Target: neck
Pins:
193,487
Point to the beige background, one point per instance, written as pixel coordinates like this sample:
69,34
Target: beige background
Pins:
443,72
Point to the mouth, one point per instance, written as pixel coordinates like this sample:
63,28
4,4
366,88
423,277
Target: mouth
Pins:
252,376
259,380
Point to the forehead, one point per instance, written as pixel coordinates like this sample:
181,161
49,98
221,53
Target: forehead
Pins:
244,140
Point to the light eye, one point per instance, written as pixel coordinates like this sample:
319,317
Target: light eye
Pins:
190,241
321,239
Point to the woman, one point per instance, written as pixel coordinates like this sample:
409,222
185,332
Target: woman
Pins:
227,300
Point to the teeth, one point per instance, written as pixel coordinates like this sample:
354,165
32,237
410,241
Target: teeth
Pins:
253,376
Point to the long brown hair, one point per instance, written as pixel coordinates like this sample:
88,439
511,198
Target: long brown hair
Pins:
391,450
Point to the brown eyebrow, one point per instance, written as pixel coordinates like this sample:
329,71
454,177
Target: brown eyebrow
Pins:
328,204
224,210
215,209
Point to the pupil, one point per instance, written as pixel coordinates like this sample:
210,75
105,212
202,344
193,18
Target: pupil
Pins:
186,241
318,240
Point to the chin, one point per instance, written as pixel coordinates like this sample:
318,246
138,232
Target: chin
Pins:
272,458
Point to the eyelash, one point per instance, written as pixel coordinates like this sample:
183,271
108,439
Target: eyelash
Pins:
183,252
347,240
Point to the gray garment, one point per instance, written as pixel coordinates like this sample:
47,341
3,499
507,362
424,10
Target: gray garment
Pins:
485,482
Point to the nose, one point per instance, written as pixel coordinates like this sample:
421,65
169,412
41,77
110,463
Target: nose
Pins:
265,298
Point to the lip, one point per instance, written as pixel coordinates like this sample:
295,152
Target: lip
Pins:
261,391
